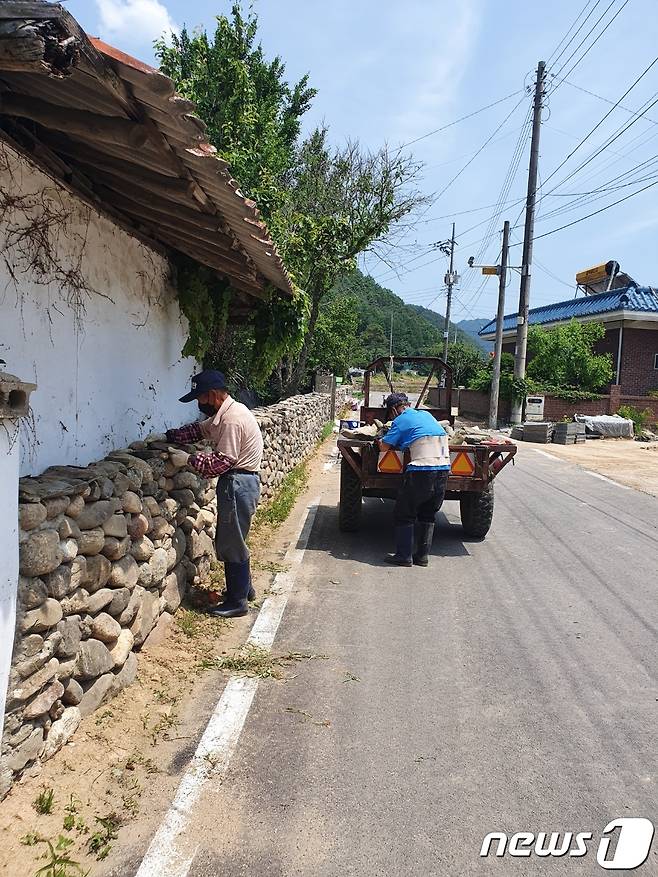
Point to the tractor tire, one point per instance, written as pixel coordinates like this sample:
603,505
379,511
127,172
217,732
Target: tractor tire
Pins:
477,512
350,502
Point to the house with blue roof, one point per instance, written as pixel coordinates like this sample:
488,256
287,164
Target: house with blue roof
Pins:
630,317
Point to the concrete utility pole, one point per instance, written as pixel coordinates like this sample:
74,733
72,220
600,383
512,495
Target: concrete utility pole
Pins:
524,292
450,280
500,317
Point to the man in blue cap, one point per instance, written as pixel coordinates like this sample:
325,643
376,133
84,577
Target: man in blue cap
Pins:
424,481
235,461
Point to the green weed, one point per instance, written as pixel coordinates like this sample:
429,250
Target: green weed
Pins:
641,419
189,623
99,842
276,512
327,430
44,802
60,864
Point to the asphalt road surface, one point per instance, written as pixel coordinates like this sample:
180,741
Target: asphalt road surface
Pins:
511,686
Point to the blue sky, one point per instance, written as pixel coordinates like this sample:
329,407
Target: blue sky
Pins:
392,72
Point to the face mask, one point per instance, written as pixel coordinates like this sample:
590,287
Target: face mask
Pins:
207,409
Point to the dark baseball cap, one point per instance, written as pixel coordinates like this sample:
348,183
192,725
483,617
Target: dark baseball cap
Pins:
203,382
395,399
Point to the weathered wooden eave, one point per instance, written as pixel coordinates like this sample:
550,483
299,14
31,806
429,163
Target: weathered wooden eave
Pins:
113,129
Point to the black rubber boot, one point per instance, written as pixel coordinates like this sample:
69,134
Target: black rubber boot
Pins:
237,587
251,595
404,545
424,534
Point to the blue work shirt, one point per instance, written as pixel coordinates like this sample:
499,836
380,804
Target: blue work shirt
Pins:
410,426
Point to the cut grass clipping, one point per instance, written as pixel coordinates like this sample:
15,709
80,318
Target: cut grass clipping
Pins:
254,661
278,510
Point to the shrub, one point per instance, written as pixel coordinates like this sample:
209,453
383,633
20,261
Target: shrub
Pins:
641,419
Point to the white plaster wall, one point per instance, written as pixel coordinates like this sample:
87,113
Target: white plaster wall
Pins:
9,454
108,368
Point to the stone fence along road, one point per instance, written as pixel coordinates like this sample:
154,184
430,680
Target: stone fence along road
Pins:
106,554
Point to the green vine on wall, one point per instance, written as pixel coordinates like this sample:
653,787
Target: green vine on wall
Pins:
204,298
278,322
279,327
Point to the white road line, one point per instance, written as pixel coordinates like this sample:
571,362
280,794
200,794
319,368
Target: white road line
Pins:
609,480
168,853
545,454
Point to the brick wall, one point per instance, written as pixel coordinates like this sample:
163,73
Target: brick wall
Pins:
557,409
476,405
639,349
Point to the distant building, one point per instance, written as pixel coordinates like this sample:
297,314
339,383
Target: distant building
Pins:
630,317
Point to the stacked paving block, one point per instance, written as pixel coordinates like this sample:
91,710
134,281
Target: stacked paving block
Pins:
569,433
541,433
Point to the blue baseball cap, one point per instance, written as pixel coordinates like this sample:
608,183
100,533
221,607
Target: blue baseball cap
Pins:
203,382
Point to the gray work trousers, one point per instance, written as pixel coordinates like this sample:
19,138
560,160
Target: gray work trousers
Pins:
237,498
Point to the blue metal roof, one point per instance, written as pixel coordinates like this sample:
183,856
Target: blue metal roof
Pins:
641,299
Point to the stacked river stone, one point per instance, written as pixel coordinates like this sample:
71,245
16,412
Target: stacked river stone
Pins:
106,551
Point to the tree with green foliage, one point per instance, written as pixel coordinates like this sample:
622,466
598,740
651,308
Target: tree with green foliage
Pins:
332,347
466,360
252,114
324,205
481,379
344,202
564,358
413,335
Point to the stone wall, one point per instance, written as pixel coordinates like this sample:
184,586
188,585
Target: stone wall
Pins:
290,431
106,553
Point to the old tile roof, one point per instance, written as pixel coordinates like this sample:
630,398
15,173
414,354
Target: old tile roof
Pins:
113,129
641,300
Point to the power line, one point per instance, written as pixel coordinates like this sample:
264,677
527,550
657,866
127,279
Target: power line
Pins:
594,41
602,120
595,213
611,139
551,58
604,99
585,197
484,145
461,119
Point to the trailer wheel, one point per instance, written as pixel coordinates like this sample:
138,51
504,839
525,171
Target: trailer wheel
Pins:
351,493
477,512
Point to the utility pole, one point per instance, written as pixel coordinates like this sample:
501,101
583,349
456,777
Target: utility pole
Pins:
450,280
524,292
390,349
500,317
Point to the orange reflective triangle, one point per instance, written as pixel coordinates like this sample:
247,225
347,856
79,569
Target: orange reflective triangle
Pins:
390,462
463,464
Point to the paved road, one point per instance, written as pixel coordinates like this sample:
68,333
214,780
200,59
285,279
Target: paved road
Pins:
511,687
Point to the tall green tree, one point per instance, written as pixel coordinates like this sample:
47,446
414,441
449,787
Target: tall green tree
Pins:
332,347
252,114
344,202
324,205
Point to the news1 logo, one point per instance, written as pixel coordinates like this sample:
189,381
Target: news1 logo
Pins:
633,836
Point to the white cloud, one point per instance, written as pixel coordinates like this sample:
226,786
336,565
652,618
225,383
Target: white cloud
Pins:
134,22
439,64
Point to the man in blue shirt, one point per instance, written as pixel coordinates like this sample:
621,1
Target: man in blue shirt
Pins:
424,481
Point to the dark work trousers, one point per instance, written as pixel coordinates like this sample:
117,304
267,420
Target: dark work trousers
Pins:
421,496
237,498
